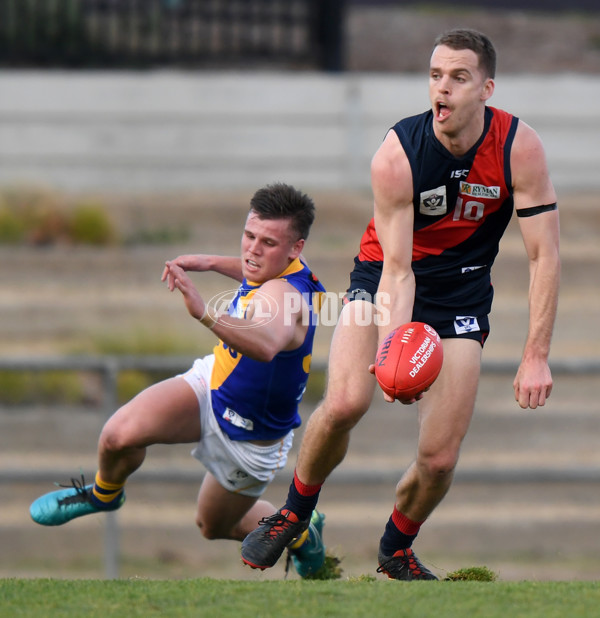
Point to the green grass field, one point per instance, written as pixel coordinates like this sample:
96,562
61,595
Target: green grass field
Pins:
361,597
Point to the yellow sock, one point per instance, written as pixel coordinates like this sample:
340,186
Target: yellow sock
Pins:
106,492
300,540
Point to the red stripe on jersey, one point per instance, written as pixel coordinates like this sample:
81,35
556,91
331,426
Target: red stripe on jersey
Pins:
473,205
370,249
480,195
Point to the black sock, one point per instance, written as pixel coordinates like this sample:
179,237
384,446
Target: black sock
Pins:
302,504
400,532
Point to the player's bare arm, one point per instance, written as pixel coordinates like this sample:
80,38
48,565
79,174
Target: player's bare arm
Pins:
273,321
391,179
277,316
534,196
230,266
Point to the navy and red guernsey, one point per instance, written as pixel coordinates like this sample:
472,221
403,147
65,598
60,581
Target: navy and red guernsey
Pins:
462,205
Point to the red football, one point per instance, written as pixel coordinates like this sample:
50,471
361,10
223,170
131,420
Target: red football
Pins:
409,360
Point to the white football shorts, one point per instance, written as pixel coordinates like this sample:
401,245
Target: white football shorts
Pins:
239,466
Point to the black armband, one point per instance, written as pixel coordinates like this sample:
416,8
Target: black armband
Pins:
536,210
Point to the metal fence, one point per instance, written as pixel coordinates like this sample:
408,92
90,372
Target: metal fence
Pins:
216,34
184,33
109,368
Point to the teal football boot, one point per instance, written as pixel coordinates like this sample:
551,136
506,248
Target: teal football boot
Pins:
59,507
310,556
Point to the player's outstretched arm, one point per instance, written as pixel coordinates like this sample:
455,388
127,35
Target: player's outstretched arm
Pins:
230,266
273,321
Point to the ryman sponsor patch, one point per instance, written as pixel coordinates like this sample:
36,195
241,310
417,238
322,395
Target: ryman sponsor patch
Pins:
480,191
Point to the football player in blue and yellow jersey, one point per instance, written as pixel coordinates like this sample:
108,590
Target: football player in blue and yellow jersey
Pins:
239,404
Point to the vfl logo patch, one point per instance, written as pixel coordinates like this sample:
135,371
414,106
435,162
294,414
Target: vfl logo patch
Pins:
433,202
465,324
231,416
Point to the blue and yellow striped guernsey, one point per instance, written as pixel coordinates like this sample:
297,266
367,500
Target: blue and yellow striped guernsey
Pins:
254,400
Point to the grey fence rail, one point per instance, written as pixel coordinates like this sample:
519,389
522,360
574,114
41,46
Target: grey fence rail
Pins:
109,368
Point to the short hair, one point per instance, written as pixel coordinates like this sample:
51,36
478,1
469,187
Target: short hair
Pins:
465,38
282,201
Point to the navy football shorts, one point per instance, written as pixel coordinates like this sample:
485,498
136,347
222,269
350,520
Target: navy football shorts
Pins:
456,307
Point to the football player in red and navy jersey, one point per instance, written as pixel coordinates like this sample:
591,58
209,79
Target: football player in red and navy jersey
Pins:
445,185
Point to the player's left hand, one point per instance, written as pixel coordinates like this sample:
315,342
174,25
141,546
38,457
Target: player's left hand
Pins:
390,399
178,279
533,383
197,262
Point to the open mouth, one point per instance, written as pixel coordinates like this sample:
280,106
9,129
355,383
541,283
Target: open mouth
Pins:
441,110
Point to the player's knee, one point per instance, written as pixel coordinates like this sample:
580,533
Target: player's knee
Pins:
206,532
114,437
439,464
209,532
341,413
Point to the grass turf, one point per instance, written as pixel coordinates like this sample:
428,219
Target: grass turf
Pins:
357,597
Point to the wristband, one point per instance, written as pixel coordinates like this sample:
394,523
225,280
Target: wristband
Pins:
210,321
